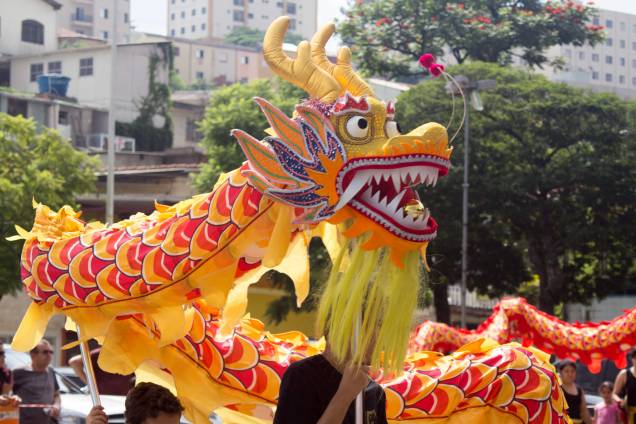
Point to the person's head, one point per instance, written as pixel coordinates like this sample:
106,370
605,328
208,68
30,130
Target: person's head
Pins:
567,371
41,355
149,403
605,390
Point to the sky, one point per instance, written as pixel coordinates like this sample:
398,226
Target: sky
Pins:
150,15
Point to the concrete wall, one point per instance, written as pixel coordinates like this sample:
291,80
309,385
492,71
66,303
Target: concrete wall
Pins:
603,310
11,17
96,24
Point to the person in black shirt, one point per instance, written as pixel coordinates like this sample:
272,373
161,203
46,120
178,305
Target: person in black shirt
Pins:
577,406
316,390
626,383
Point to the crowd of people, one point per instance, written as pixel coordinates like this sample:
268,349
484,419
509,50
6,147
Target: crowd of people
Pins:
313,390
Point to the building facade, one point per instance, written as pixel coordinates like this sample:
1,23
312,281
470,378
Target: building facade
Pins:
89,69
95,18
28,29
197,19
606,67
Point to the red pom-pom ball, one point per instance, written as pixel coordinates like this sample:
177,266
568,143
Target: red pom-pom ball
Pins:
436,69
427,60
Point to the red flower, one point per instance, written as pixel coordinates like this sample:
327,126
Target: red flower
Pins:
437,69
382,21
460,5
427,60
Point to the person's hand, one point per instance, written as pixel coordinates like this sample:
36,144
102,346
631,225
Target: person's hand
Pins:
354,380
97,416
9,400
54,411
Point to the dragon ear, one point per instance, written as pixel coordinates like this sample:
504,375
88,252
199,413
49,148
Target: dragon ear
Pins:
266,170
285,129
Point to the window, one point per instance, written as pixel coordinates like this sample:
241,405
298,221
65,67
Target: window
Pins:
291,8
609,77
192,132
609,60
568,53
594,57
239,16
62,117
199,54
238,2
595,20
581,55
245,60
609,24
633,80
633,63
622,44
594,75
105,35
250,16
203,10
292,24
54,67
609,41
103,13
621,79
126,18
279,4
203,26
37,69
622,60
223,57
86,66
634,46
183,14
173,1
622,26
32,32
193,28
182,30
176,50
199,75
172,16
194,12
172,33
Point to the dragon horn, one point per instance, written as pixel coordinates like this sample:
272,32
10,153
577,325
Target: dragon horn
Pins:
300,71
342,71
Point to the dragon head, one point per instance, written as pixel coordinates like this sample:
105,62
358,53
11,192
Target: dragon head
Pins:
342,157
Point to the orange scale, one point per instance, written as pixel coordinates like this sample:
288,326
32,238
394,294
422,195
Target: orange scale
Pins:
156,234
220,206
200,207
531,384
177,240
106,248
84,268
63,251
205,240
44,274
29,252
242,356
155,269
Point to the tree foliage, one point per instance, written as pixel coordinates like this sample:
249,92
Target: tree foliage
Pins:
233,107
387,37
552,187
253,37
42,166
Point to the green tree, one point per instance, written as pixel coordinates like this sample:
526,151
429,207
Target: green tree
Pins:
552,187
387,37
42,166
252,37
233,107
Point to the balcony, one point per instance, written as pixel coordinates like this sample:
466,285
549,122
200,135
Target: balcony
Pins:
99,143
80,18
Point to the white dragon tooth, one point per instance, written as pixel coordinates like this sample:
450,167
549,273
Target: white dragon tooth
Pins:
396,201
376,197
397,184
435,175
413,173
353,189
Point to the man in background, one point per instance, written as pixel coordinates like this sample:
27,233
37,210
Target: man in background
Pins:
36,384
107,383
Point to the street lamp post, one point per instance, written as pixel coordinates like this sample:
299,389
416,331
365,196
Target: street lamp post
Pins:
471,89
110,155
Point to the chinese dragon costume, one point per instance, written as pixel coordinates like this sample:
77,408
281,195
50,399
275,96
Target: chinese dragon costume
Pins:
168,291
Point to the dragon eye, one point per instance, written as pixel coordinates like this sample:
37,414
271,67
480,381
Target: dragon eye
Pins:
392,128
358,127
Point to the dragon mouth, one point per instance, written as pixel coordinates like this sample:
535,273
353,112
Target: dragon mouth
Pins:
381,188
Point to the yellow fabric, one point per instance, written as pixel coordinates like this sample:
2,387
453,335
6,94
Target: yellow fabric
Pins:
631,415
476,415
32,327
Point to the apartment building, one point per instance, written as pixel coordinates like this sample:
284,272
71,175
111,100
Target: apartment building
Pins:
607,67
197,19
89,69
95,18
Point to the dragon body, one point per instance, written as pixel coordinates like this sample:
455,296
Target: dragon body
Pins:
515,319
168,290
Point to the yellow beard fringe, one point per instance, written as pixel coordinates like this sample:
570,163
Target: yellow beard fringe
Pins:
383,297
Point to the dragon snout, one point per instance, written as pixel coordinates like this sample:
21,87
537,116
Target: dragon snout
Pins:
419,140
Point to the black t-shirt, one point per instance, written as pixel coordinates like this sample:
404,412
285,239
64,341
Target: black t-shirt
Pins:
309,385
5,376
